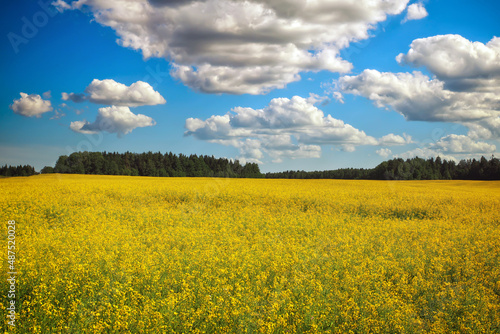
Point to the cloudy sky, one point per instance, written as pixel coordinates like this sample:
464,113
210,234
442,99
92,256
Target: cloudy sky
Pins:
289,84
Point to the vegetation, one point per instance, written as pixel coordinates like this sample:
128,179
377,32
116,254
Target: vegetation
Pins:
153,164
20,170
169,164
47,170
114,254
410,169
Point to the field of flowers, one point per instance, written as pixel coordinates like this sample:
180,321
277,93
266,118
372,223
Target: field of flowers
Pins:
113,254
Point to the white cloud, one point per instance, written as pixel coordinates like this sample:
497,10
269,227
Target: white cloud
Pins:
257,80
419,98
384,152
485,129
62,5
348,148
280,113
111,92
58,114
114,119
451,147
250,150
462,65
462,144
244,160
415,11
300,151
425,153
464,89
30,105
392,139
276,146
78,98
81,126
293,128
254,46
336,132
108,91
47,94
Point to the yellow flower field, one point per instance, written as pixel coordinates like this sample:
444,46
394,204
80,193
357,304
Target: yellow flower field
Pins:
115,254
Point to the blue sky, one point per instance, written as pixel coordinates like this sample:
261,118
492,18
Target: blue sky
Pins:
286,84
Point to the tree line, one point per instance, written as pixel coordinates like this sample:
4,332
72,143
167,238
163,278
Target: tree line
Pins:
20,170
152,164
410,169
169,164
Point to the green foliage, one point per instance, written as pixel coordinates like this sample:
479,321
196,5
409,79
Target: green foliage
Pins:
47,170
20,170
172,165
410,169
153,164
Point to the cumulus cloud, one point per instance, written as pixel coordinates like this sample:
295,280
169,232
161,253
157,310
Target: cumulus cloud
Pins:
461,64
218,79
462,144
426,153
336,132
420,98
299,151
78,98
30,105
80,126
251,150
384,152
114,119
254,46
464,88
485,129
415,11
62,5
111,92
391,139
451,147
293,128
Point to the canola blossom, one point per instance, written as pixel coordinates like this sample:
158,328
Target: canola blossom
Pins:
117,254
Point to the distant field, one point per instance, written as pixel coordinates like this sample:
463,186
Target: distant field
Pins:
116,254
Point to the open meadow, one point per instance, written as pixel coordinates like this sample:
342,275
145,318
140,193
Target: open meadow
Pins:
117,254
